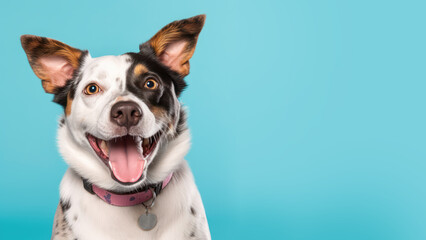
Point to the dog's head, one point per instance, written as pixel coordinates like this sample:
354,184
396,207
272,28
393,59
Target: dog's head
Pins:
122,113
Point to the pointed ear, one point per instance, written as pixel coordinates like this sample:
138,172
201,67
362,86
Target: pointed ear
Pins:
175,43
52,61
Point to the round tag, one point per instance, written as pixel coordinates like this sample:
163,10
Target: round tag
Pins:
147,221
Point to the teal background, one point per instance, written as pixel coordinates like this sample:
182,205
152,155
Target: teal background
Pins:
308,117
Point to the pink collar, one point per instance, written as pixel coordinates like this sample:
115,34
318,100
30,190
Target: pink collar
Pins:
127,199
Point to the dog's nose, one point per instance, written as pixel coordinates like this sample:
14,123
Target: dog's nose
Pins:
126,113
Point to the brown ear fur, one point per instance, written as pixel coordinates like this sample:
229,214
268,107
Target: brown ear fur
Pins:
181,35
38,48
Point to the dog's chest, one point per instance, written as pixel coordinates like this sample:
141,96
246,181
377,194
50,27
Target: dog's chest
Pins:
88,217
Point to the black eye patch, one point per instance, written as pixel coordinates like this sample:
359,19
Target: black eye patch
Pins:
152,82
148,63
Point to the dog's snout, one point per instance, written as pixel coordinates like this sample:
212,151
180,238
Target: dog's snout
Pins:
126,113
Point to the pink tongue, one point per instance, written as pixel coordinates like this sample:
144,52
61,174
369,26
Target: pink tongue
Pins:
126,162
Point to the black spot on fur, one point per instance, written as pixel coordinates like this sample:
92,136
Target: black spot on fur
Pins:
75,217
62,122
62,93
192,234
193,212
65,205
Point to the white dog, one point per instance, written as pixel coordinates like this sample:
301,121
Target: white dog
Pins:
124,137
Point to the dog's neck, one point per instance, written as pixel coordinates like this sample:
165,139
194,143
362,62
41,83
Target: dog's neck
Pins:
130,198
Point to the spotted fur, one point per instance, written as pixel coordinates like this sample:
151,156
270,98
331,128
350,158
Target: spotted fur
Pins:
164,58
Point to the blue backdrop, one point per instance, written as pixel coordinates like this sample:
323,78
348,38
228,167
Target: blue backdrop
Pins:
308,117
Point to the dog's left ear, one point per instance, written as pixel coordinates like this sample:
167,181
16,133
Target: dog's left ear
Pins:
175,43
52,61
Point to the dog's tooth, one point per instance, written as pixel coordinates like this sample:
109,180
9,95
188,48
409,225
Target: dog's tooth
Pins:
139,142
145,141
104,147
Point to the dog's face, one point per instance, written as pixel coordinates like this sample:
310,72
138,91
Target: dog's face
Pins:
122,113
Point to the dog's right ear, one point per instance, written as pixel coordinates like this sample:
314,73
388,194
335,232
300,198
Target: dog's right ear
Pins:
52,61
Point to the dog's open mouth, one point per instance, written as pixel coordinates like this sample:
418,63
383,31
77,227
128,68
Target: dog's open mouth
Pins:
126,156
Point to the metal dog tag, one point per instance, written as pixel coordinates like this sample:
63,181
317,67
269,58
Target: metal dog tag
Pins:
147,221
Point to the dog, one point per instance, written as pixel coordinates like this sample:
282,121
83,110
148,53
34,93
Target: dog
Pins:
124,136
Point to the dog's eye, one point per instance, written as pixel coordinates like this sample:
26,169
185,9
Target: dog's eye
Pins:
92,89
151,84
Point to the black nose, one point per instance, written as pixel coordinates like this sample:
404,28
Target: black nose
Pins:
126,114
